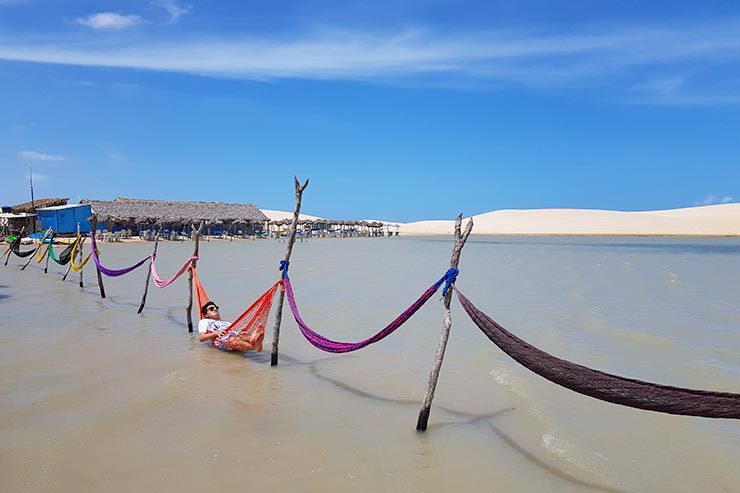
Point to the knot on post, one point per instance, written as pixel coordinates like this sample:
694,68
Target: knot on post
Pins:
284,268
450,277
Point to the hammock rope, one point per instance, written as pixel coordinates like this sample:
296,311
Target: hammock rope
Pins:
163,283
251,322
78,244
604,386
113,272
331,346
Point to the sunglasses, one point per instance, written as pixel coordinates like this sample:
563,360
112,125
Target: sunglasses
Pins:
212,307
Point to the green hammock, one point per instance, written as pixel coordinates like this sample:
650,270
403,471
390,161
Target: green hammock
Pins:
65,256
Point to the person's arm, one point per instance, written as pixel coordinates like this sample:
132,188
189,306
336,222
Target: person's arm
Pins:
207,336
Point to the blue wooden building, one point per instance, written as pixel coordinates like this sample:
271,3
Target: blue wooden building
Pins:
64,218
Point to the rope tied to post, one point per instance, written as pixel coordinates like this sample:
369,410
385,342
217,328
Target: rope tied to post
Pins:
450,278
284,268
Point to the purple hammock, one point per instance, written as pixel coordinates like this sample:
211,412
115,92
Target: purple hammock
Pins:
113,272
604,386
330,346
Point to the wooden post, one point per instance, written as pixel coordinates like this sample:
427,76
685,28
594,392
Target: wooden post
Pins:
149,273
460,239
189,308
69,267
79,251
35,252
94,224
46,265
279,314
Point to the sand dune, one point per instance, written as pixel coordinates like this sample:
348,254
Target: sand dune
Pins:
279,215
713,220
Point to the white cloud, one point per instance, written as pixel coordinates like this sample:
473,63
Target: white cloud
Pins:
174,10
109,21
39,156
117,157
37,177
726,200
592,57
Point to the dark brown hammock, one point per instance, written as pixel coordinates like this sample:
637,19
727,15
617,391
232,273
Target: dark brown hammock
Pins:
604,386
15,247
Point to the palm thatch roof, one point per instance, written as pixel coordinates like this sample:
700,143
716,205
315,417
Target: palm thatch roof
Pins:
170,211
38,203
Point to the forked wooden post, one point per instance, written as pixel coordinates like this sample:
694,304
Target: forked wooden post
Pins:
94,224
460,239
293,227
149,272
189,308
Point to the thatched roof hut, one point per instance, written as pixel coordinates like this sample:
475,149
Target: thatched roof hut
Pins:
170,211
28,207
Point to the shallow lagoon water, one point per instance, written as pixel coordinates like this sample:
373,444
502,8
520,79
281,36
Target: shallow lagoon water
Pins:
96,397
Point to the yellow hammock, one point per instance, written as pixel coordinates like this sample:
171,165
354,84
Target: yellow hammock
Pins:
73,266
40,256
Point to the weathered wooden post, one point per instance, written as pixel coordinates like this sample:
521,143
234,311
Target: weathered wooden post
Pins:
189,308
149,272
35,252
460,238
279,314
94,224
79,250
46,265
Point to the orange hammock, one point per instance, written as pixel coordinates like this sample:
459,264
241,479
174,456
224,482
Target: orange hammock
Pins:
251,322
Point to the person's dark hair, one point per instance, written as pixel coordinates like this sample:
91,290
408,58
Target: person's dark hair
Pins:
204,308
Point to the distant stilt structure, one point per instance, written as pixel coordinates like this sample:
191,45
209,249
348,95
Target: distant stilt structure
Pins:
189,308
94,224
460,239
149,273
279,314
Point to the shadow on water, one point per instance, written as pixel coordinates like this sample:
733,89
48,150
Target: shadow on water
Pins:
3,296
470,419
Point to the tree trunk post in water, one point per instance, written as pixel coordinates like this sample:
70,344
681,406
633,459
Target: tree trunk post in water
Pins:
94,224
79,250
189,308
279,313
149,273
460,238
46,265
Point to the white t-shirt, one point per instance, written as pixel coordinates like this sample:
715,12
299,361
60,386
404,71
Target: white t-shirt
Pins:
208,325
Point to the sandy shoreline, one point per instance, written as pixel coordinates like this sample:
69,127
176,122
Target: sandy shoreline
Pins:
722,221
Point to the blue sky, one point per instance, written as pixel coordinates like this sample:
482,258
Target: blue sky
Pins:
395,110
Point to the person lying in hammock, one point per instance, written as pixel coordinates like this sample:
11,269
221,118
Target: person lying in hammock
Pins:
212,328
